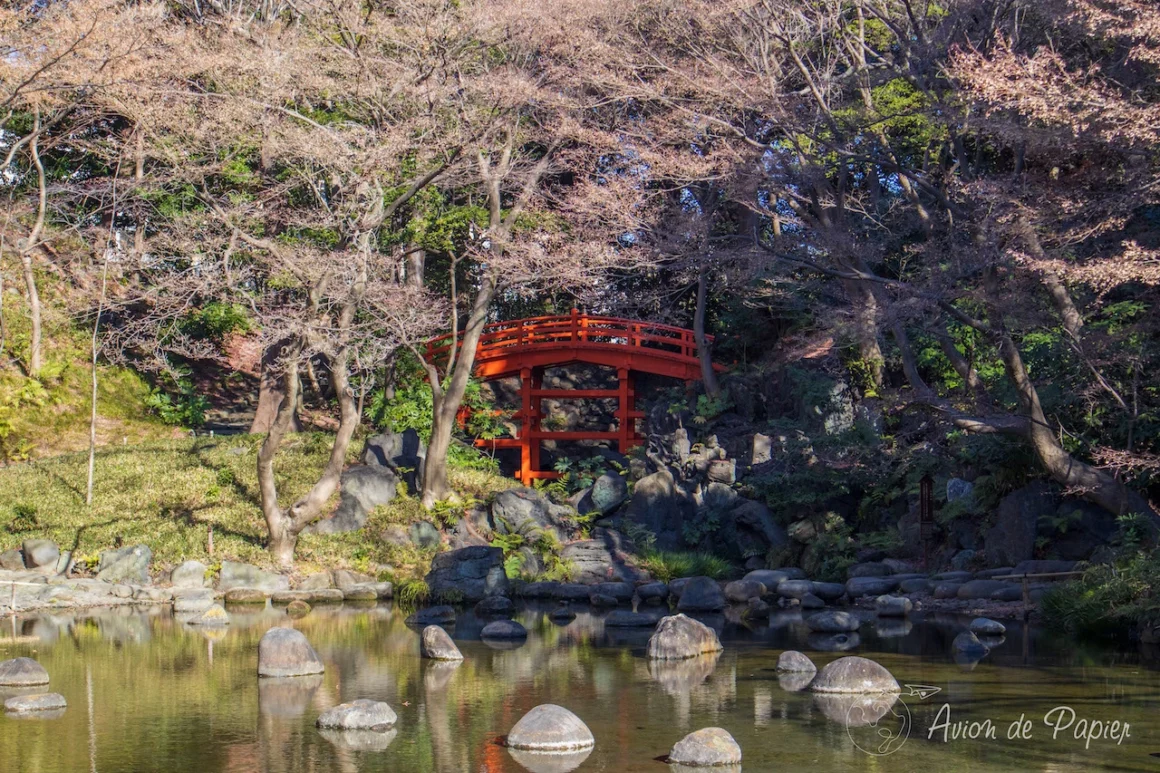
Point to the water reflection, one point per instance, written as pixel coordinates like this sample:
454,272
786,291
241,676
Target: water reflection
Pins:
360,740
287,696
539,762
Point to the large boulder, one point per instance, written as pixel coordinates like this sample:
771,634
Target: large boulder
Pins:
474,572
854,675
678,637
893,606
740,591
1077,529
238,575
22,672
794,662
748,529
503,629
1012,538
129,564
829,591
286,652
701,594
795,589
363,488
361,714
529,512
402,453
189,574
40,554
708,747
12,560
550,728
660,506
603,558
604,496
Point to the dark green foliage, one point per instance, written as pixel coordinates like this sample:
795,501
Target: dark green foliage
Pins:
216,321
1109,600
184,407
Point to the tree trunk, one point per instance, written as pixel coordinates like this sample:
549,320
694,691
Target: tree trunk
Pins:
34,346
966,371
446,402
865,306
278,522
704,347
415,261
271,391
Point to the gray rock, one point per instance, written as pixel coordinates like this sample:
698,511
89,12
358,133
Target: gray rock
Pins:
607,493
550,728
962,559
332,595
956,576
1086,528
424,535
237,575
190,574
957,488
40,554
796,589
947,590
127,564
740,591
362,489
653,592
361,714
247,595
762,449
708,747
475,572
623,618
1012,538
870,586
286,652
893,606
42,702
771,578
833,621
191,603
854,675
345,579
678,637
810,601
828,591
404,454
22,672
722,471
1043,567
570,591
795,662
701,594
317,581
601,600
437,615
915,586
604,558
529,512
434,643
981,589
869,569
747,528
990,574
12,561
660,506
984,626
968,645
503,629
495,606
621,591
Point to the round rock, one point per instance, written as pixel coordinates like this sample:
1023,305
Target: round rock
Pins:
707,747
550,728
854,675
984,626
495,606
50,701
286,652
361,714
968,645
562,614
834,621
740,591
893,606
795,662
503,629
701,594
22,672
434,643
678,637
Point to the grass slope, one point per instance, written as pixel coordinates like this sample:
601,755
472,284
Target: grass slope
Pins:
166,494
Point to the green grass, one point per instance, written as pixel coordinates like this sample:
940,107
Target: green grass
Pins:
666,565
1108,601
166,494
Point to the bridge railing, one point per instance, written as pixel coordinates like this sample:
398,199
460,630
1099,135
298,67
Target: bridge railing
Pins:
574,329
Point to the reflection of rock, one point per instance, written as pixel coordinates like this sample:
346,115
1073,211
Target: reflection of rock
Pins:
968,645
677,677
287,696
833,642
888,628
437,675
836,621
549,762
854,710
505,644
45,701
49,714
701,769
794,681
991,642
360,740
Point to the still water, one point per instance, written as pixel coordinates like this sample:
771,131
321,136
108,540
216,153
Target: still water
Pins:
147,693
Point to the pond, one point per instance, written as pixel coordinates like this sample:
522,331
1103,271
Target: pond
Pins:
146,692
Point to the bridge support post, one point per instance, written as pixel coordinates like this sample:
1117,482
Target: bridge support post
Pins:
627,412
531,379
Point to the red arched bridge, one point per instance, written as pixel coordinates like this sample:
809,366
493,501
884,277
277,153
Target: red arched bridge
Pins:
525,347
